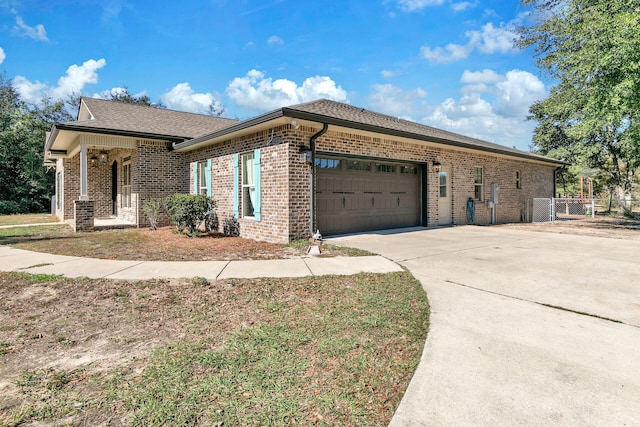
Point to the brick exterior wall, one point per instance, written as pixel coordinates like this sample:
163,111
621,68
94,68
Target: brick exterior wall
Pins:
83,215
286,180
157,172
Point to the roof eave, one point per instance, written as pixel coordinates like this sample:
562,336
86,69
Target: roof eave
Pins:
231,129
116,132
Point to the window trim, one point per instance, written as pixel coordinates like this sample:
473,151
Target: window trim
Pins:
478,187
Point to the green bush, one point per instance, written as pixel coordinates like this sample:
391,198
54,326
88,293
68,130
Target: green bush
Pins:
189,211
152,209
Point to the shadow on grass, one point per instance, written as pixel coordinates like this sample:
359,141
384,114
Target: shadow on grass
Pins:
13,236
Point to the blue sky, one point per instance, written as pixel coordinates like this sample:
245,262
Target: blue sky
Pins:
446,63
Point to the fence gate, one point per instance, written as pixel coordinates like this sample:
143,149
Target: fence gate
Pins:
542,210
562,208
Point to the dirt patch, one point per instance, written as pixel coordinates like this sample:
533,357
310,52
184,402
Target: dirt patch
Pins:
600,226
159,245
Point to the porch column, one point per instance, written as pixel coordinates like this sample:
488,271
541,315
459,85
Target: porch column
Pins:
83,173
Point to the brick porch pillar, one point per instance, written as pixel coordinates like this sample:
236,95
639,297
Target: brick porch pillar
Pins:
83,215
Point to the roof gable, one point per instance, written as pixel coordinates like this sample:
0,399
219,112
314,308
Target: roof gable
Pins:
122,117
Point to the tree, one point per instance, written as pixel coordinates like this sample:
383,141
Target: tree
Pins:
592,116
25,184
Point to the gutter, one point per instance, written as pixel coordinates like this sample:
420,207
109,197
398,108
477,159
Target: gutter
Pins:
312,147
231,129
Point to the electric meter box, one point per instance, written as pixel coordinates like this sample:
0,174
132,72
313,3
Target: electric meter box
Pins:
494,192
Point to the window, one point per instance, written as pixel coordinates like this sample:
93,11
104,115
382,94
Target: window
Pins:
385,168
202,178
442,184
357,165
248,185
478,184
126,183
518,183
328,163
412,170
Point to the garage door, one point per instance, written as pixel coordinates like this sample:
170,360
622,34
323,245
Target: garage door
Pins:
359,195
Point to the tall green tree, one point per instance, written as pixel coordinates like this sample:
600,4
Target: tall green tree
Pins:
592,116
25,184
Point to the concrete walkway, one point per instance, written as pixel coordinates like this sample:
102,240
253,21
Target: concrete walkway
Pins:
12,259
527,328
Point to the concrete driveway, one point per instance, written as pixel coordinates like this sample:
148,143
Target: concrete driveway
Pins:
527,328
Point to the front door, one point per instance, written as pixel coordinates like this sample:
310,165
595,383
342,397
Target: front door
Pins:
444,195
114,188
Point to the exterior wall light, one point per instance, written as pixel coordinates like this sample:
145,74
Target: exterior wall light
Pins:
103,157
436,165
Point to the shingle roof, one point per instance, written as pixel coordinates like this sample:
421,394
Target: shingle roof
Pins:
344,115
119,116
370,120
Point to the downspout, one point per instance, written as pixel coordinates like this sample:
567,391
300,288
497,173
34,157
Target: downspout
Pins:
312,147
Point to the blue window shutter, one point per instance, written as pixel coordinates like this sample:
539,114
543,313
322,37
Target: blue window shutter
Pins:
257,215
236,186
208,175
194,166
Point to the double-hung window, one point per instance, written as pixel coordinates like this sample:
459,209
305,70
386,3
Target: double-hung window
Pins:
478,183
518,181
126,183
202,177
246,185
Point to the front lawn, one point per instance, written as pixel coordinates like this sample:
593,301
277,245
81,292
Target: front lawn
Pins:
316,350
147,245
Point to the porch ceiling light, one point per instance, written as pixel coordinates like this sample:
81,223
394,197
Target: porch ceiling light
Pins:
103,157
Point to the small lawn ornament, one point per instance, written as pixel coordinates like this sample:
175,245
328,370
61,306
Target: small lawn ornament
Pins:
316,244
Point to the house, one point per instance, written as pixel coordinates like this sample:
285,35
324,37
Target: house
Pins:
280,176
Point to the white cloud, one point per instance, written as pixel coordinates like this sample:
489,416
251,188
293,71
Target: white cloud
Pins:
413,5
462,6
387,74
255,92
75,79
492,39
392,100
110,93
29,91
489,40
484,76
183,98
492,107
37,33
3,55
274,40
516,93
451,52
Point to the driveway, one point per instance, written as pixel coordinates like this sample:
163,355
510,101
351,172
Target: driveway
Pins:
527,328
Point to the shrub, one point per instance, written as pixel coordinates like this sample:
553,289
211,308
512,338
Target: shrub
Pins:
188,211
211,223
231,226
152,209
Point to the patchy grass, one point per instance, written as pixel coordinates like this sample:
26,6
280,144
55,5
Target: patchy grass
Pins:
159,245
320,350
27,219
